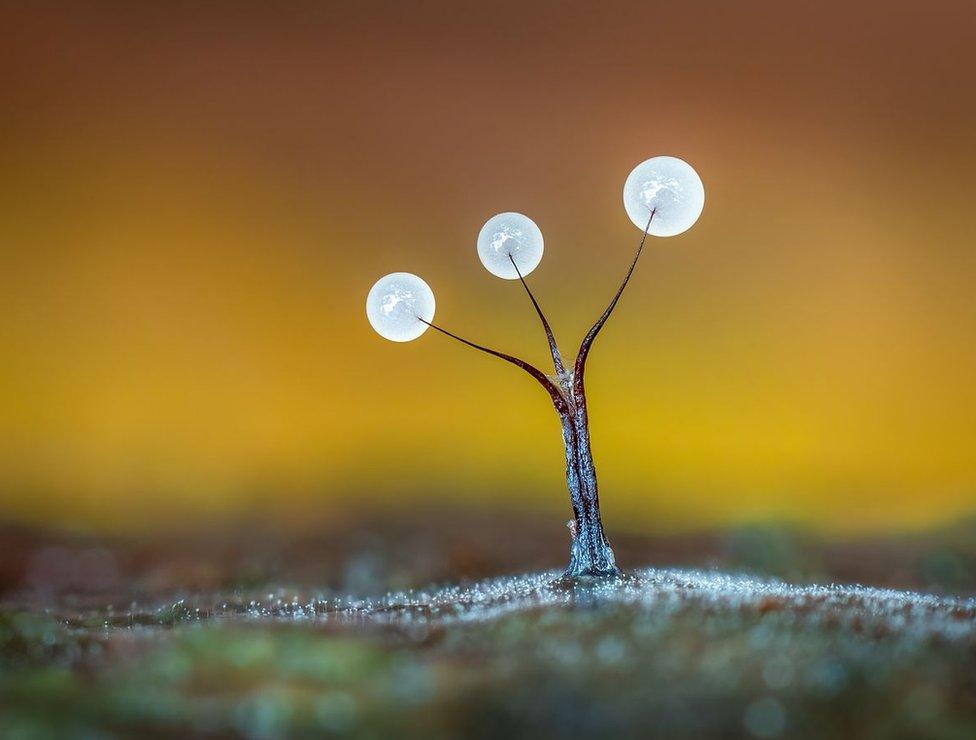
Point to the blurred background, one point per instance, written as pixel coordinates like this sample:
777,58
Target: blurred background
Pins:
195,200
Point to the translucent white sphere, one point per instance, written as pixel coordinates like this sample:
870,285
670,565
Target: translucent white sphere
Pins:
510,234
668,186
394,303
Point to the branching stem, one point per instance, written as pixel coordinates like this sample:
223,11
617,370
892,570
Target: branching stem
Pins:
590,553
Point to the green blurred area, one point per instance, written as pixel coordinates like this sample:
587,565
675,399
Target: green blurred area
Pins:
562,672
153,649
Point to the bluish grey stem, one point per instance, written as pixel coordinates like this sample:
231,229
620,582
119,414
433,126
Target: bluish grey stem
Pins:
590,553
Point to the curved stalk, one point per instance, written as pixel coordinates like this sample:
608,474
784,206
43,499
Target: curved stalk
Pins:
557,358
558,400
588,340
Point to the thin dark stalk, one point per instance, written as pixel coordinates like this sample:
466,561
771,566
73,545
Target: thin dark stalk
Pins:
557,358
557,397
587,343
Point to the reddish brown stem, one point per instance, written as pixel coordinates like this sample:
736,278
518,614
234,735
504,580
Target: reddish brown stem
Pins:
557,398
588,340
557,358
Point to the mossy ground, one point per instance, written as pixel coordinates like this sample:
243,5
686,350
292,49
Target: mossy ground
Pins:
669,653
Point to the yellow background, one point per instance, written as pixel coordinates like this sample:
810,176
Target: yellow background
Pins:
194,203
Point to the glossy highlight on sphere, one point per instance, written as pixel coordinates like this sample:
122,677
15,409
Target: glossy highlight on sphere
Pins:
510,234
671,188
394,304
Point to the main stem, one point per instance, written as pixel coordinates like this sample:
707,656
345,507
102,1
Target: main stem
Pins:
590,553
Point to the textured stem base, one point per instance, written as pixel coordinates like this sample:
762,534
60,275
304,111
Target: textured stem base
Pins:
590,553
591,556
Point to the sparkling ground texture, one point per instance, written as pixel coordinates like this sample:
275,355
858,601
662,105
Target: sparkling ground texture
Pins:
659,652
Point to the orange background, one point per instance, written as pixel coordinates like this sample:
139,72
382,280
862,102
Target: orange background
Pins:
195,201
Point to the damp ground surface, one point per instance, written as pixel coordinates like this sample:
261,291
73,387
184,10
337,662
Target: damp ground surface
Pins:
110,639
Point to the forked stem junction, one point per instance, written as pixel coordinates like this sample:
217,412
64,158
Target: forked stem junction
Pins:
590,553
